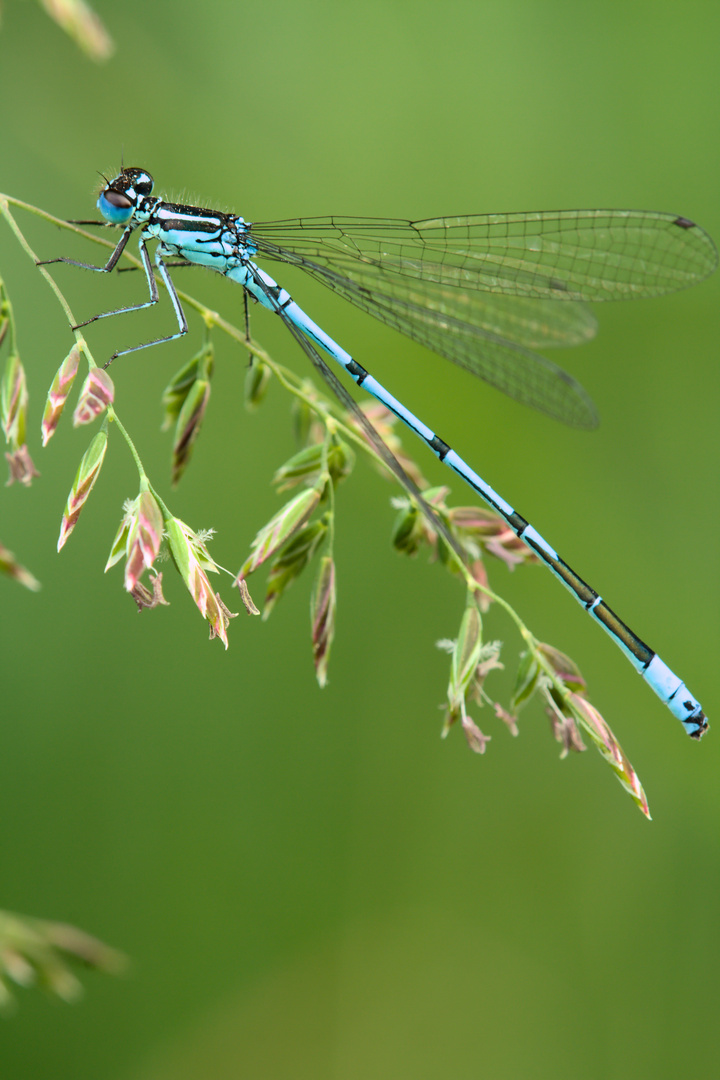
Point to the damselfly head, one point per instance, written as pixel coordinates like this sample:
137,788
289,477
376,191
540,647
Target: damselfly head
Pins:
120,198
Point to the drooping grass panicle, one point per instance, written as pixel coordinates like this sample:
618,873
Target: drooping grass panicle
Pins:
301,532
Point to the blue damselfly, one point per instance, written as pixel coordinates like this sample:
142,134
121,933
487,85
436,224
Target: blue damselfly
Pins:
481,290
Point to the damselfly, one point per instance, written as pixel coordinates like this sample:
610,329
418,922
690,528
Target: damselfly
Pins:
479,290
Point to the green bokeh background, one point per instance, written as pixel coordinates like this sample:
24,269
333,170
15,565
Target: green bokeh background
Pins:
309,883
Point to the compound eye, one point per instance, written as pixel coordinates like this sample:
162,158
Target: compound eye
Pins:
143,183
115,207
114,198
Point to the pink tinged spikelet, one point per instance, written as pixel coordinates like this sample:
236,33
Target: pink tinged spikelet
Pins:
292,559
191,558
564,667
189,422
322,614
563,723
13,402
58,393
87,474
13,413
199,367
96,394
531,677
492,533
571,711
605,741
309,464
470,663
466,653
184,401
21,467
289,520
144,537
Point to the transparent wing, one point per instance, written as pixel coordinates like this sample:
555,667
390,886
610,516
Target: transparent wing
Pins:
547,255
480,290
523,375
527,321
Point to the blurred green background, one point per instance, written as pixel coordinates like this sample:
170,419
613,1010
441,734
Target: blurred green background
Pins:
309,883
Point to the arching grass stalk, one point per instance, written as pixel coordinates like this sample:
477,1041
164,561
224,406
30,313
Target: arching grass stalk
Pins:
302,531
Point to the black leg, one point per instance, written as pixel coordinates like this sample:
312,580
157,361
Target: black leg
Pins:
109,265
152,285
175,299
